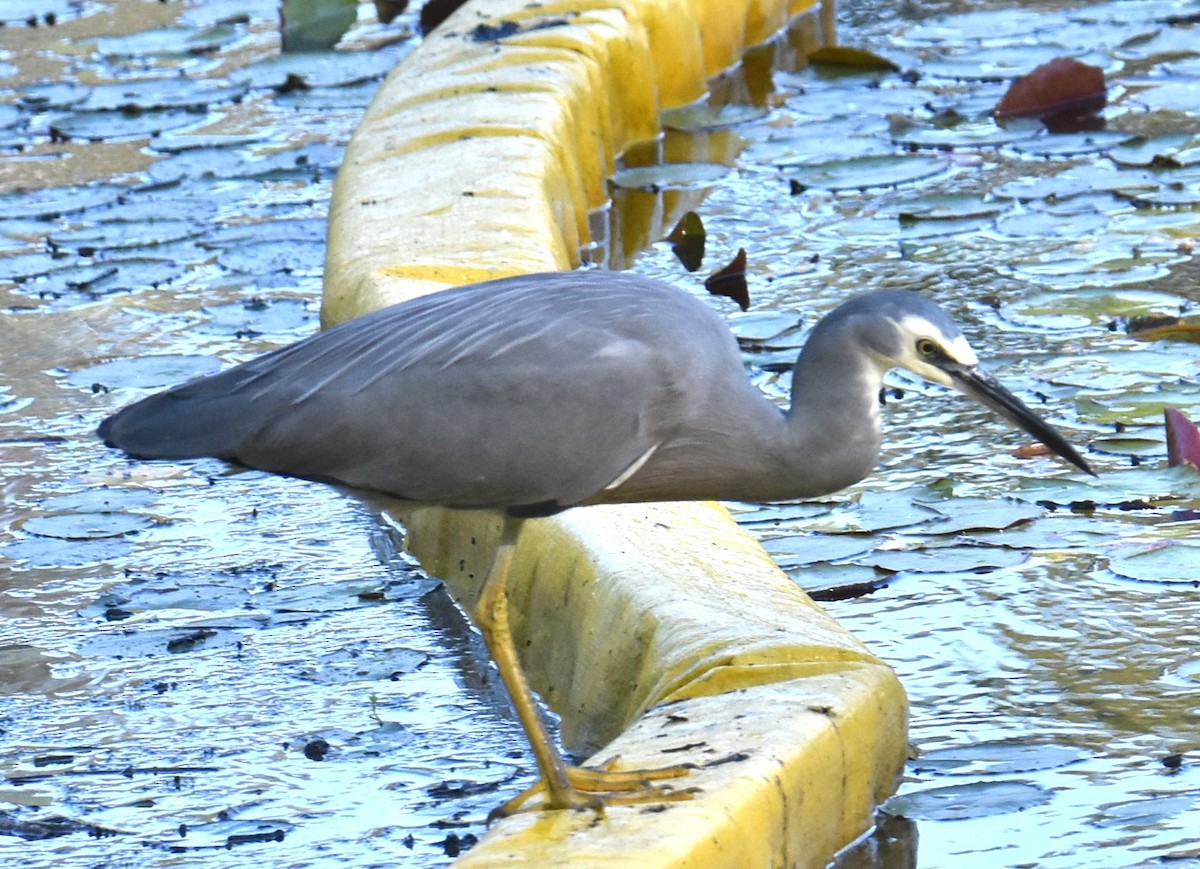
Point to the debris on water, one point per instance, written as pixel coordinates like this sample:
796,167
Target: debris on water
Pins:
731,281
687,241
1183,440
1055,92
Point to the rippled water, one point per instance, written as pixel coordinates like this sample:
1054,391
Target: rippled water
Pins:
1044,624
179,655
198,665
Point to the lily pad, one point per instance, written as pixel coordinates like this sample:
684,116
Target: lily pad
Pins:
128,234
144,372
690,119
1088,307
1131,407
359,664
55,552
670,176
55,201
85,526
778,515
1186,673
949,206
974,800
981,514
167,42
865,172
1070,144
1128,446
764,327
969,133
802,549
1164,561
1157,150
145,95
1002,757
112,275
293,256
275,317
322,69
810,146
1155,810
827,582
948,559
115,126
878,510
104,500
1041,224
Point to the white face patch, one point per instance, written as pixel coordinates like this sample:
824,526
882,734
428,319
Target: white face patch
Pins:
957,349
962,352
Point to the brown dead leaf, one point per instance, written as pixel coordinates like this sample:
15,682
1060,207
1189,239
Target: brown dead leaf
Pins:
731,281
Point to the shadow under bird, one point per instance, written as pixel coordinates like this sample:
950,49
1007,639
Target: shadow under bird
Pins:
535,394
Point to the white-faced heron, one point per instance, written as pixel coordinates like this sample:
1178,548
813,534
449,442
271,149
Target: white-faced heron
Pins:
531,395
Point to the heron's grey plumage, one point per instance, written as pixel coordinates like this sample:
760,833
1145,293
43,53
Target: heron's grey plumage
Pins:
536,393
540,392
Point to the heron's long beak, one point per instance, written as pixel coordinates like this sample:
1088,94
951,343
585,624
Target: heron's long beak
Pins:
981,386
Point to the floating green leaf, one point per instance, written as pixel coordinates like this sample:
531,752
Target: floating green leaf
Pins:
670,176
854,58
144,372
85,526
959,802
865,172
1002,757
803,549
691,119
947,559
1162,561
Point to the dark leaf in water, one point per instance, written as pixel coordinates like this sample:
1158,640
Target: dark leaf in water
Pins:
1183,439
1064,87
387,10
731,281
687,241
858,58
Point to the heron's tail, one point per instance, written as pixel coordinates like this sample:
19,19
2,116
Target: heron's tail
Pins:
197,419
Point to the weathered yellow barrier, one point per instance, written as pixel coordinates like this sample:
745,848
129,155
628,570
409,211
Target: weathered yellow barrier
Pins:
662,632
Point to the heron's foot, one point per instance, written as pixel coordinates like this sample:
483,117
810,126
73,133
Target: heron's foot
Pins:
596,789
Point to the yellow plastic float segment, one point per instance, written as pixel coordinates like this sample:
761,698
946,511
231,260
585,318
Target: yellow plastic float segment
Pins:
662,632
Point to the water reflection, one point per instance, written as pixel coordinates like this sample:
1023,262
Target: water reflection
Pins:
1045,245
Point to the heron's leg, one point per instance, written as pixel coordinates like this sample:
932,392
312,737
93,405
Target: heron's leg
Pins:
491,614
566,786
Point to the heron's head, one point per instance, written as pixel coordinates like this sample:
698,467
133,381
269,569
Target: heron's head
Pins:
906,330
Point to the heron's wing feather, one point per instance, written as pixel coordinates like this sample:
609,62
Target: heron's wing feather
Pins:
469,399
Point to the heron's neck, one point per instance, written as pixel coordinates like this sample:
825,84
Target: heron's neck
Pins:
834,424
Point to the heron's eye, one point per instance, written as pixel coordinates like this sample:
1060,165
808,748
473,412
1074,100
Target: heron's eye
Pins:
927,347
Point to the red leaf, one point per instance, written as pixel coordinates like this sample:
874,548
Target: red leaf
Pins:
1183,440
1062,87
